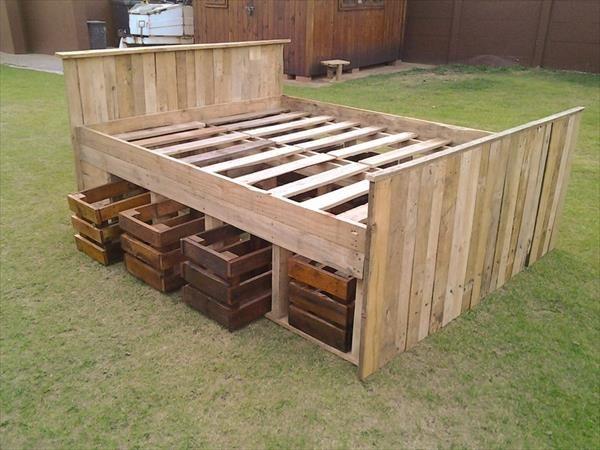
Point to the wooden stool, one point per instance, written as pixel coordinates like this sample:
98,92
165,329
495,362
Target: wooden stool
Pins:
336,64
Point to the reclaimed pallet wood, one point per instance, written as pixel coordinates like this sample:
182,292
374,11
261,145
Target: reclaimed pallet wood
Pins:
159,280
103,254
162,260
343,287
319,328
227,251
100,204
232,318
228,291
161,224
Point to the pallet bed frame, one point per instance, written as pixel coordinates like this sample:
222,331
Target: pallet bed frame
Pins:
428,217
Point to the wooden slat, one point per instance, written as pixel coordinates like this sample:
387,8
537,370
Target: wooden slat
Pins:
252,160
405,152
279,118
221,154
271,172
313,132
369,146
178,137
158,131
358,214
198,145
339,138
245,116
338,196
281,128
317,180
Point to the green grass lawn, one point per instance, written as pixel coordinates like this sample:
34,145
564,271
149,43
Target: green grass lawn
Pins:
92,358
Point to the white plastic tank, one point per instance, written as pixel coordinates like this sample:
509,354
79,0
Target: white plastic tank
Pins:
166,19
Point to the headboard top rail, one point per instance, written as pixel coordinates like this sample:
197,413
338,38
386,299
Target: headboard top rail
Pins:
165,48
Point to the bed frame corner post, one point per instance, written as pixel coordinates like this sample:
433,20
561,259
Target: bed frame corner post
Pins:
279,299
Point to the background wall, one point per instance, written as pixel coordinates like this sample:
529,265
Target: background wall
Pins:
318,29
47,26
561,34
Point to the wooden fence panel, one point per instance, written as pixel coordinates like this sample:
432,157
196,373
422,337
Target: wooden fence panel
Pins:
450,228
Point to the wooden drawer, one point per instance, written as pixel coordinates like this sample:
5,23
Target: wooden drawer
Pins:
227,251
225,291
160,260
104,254
320,329
161,224
159,280
232,318
103,203
321,305
101,235
327,279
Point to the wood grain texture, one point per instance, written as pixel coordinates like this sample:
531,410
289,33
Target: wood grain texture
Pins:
446,230
111,85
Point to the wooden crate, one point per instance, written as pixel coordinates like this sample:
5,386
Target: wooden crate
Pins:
316,327
161,224
321,302
103,203
227,251
104,254
95,219
227,291
327,279
164,281
232,318
164,259
322,305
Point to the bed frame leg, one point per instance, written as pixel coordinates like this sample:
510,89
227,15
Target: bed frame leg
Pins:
280,301
211,222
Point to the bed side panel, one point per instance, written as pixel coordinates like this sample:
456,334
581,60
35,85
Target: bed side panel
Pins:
445,233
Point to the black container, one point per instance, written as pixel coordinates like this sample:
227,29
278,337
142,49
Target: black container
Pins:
97,34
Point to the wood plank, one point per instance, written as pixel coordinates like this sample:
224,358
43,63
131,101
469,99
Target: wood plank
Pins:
373,145
317,180
275,171
313,132
358,214
178,137
463,222
338,139
252,160
339,196
167,48
405,152
237,118
292,125
279,118
200,144
226,153
158,131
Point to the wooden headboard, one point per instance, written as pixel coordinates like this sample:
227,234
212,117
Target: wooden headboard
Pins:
105,85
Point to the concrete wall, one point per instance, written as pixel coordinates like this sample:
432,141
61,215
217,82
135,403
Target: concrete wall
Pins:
562,34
